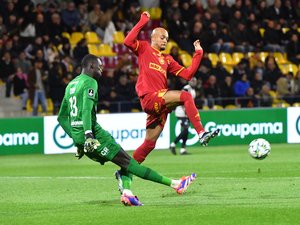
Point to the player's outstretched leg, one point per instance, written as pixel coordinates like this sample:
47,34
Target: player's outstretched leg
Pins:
205,137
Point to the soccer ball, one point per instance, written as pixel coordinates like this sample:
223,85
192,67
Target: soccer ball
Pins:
259,148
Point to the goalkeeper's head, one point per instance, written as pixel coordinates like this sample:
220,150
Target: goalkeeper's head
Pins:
92,65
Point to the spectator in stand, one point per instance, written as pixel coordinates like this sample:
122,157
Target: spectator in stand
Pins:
32,49
211,90
240,69
261,10
249,100
23,63
71,17
286,88
289,12
272,72
2,27
55,28
225,11
293,49
213,38
241,86
241,38
297,86
80,50
20,82
265,99
7,71
257,82
227,91
37,79
220,72
57,83
40,26
272,37
275,12
94,15
255,39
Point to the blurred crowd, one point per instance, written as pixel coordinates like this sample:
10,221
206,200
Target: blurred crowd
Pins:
37,61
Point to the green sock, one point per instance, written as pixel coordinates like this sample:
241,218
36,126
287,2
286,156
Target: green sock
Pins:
126,179
147,173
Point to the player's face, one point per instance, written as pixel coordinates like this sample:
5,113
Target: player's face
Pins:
98,68
160,39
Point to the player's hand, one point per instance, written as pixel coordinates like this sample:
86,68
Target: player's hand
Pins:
197,45
80,152
145,15
90,144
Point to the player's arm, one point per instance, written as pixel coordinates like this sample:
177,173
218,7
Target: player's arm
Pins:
131,39
63,117
89,97
188,73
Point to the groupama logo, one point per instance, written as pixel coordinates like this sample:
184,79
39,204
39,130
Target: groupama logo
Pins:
14,139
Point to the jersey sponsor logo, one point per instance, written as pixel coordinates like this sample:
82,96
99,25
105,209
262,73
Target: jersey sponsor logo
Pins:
156,67
91,92
246,129
76,123
13,139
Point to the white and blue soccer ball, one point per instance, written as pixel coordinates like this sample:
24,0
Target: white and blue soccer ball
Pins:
259,148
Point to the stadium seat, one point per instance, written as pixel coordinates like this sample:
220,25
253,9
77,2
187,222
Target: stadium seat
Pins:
93,49
275,97
281,105
135,110
186,59
237,57
279,57
50,106
169,46
226,58
118,37
92,38
105,50
217,107
213,57
103,111
66,35
110,62
292,68
262,32
263,56
296,104
205,107
285,29
75,38
155,13
231,106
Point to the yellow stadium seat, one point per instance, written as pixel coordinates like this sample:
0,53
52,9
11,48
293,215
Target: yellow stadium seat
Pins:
226,58
292,68
263,56
217,107
105,50
155,13
93,49
237,57
118,37
92,38
213,57
169,46
104,111
296,104
186,59
228,68
262,32
281,105
75,38
66,35
285,29
50,106
135,110
231,106
205,107
279,57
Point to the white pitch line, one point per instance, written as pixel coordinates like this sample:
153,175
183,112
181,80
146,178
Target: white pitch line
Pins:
106,178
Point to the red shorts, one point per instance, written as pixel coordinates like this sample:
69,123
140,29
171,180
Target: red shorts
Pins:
154,105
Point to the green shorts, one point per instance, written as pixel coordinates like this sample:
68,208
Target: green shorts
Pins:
108,148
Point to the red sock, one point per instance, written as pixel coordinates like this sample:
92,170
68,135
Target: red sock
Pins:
141,153
191,111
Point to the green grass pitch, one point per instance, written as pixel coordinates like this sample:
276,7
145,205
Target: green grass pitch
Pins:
231,189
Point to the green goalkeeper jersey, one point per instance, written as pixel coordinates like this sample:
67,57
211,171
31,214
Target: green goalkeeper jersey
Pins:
77,114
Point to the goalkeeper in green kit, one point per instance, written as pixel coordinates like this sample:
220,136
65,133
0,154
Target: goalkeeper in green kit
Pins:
77,116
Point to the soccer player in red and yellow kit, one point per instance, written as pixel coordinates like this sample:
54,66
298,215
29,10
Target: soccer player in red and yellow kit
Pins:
155,98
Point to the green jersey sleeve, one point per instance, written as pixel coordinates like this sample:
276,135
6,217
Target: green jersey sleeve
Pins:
90,99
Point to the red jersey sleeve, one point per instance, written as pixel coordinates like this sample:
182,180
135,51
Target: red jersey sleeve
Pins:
130,40
186,73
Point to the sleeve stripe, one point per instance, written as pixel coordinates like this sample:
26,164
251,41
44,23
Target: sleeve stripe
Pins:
179,71
137,45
